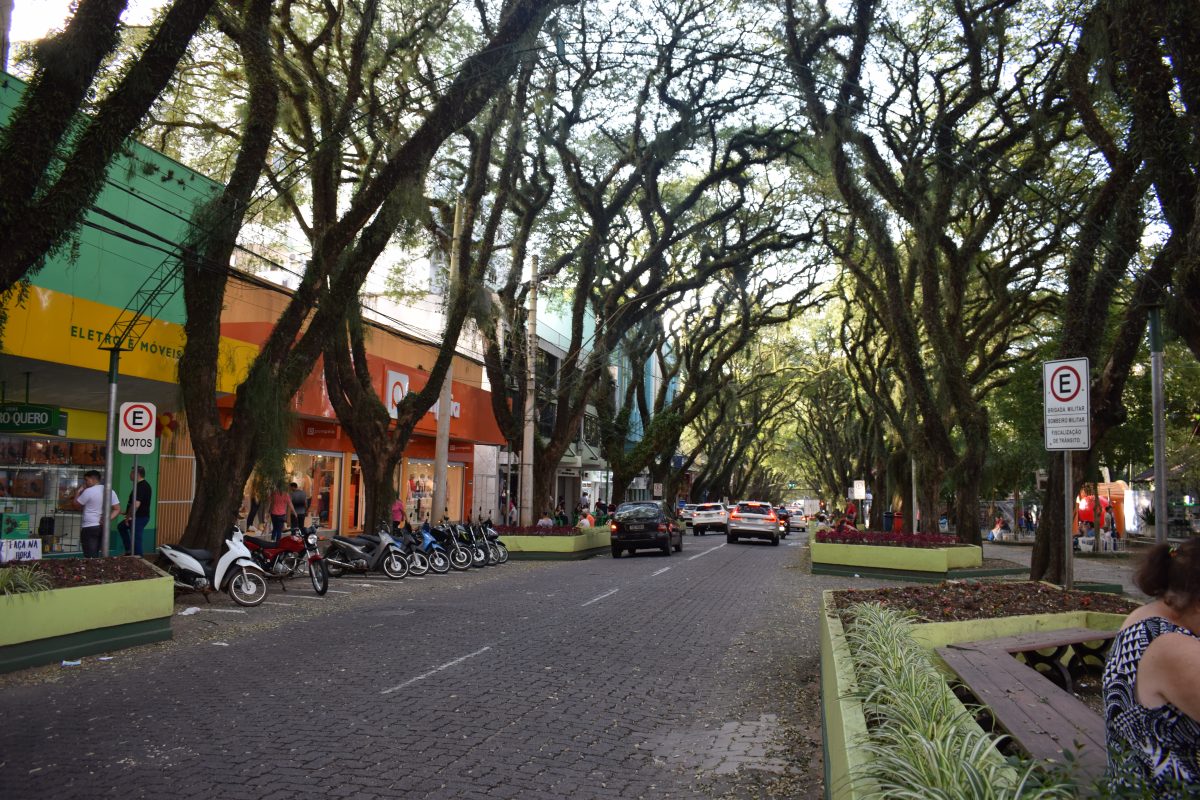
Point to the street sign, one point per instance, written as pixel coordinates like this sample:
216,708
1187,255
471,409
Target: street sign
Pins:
860,490
135,428
1067,403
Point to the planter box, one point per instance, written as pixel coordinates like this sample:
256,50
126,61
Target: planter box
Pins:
919,563
44,627
592,541
844,726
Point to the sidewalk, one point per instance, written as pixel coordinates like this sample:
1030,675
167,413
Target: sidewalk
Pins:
1108,568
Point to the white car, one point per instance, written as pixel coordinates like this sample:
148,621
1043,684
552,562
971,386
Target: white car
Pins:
685,514
710,517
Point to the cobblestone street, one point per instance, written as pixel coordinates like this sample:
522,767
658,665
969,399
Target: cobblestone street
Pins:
638,677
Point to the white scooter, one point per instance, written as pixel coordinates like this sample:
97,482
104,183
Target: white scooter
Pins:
235,573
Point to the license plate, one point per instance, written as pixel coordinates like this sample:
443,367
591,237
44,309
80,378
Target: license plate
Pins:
635,528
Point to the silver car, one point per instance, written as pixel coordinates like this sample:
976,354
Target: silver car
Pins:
753,519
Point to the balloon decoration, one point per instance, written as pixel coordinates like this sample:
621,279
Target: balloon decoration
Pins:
1086,511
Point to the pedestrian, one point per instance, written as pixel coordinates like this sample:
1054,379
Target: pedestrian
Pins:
512,513
1151,702
90,498
137,512
280,508
299,504
545,521
398,515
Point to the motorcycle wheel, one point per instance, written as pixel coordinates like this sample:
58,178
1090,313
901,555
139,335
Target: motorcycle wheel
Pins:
248,587
335,570
439,562
418,564
395,566
318,573
493,553
460,559
479,557
503,552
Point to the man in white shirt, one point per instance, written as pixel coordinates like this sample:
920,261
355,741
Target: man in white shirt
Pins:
91,499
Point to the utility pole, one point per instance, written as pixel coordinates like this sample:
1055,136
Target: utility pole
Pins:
1158,401
441,446
527,442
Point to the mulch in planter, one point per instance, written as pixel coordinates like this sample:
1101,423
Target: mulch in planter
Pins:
67,572
966,600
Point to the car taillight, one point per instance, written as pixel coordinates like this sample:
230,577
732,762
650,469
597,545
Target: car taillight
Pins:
735,515
613,527
662,528
771,517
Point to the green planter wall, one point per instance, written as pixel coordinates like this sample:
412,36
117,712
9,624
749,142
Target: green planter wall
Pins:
591,541
914,559
844,726
43,627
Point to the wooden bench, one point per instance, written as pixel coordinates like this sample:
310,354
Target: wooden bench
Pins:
1041,717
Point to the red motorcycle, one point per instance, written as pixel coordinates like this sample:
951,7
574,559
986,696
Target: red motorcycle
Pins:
283,559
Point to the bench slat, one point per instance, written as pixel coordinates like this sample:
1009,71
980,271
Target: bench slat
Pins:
1043,719
1042,640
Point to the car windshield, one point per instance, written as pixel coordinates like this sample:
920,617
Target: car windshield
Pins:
637,511
754,508
710,507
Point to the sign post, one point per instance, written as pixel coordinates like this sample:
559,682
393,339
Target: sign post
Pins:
1068,427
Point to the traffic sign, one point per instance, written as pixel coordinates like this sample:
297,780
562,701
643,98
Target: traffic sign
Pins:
1067,403
135,428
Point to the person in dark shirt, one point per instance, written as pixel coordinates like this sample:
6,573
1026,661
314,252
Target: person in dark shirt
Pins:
299,503
137,512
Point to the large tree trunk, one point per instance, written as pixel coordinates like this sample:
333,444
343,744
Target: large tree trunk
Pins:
1050,546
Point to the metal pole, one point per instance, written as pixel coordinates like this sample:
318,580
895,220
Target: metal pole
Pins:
527,441
110,446
914,494
1068,515
441,447
1160,432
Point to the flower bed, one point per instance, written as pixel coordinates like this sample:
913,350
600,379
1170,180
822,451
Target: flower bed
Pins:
89,616
898,562
575,543
539,530
886,539
849,755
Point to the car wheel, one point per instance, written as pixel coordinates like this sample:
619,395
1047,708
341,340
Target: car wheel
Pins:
775,540
730,538
616,551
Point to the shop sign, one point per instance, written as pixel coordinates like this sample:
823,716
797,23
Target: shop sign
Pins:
323,430
29,418
21,550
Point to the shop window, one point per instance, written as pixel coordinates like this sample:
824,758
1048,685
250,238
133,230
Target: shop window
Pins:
416,488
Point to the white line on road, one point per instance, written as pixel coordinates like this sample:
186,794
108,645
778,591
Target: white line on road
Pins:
228,610
307,596
270,603
337,591
609,593
706,552
661,571
436,670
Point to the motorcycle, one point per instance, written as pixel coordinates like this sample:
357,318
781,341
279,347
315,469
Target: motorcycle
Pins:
235,572
294,550
493,538
460,555
428,546
366,553
418,562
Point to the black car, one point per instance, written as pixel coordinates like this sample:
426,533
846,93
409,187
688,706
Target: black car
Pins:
642,526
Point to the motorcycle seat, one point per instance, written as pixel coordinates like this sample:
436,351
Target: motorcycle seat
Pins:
196,553
264,543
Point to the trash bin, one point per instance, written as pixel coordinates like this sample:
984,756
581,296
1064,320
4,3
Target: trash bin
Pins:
887,521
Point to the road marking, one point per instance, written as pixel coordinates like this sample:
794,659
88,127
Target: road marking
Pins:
270,603
706,552
337,591
609,593
661,571
436,670
228,610
307,596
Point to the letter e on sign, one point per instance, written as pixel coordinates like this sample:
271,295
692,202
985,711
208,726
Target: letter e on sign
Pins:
135,428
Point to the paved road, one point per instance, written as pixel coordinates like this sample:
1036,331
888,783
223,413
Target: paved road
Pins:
651,676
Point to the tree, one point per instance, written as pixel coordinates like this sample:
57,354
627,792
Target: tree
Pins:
676,167
55,160
361,192
933,130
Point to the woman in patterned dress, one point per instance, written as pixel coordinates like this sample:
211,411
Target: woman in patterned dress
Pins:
1151,688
